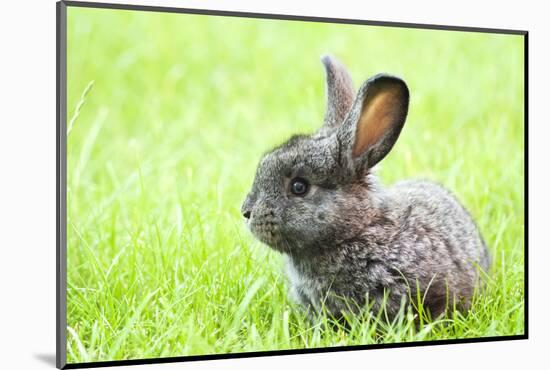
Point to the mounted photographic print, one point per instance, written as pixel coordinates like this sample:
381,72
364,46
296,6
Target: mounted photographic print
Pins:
236,184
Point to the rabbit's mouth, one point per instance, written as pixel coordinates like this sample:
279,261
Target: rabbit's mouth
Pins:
267,231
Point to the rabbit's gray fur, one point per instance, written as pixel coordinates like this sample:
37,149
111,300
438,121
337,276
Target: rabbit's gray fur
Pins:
350,238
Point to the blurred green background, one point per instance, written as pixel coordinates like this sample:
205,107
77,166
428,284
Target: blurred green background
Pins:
169,115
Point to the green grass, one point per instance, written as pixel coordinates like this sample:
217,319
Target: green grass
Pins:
171,115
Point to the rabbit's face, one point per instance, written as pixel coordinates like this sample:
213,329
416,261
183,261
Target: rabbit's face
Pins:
293,203
313,190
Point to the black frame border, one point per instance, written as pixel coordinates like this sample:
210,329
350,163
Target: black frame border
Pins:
61,187
61,183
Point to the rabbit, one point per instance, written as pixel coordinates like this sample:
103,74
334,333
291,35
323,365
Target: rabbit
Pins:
346,239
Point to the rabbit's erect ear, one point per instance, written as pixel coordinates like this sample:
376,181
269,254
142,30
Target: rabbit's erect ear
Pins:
374,122
340,92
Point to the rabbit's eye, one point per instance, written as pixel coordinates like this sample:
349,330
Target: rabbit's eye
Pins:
299,186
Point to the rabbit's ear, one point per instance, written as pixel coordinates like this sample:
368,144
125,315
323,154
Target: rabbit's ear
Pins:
374,122
340,92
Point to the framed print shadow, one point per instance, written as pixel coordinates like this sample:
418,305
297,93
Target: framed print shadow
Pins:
236,184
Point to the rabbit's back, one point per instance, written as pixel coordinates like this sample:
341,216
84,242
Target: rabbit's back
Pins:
437,245
427,208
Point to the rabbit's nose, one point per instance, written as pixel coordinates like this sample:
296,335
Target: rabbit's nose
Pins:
246,208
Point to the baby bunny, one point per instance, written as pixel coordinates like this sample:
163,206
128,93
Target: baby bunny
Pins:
346,239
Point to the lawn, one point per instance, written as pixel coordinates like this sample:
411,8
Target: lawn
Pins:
169,115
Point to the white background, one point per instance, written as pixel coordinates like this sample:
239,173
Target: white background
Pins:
27,183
